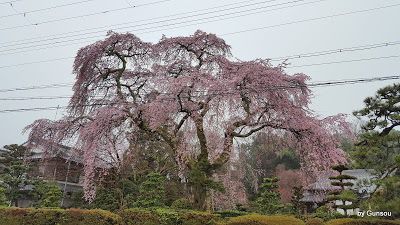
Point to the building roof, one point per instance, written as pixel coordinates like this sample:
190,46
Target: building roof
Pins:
64,152
56,150
313,197
317,191
324,183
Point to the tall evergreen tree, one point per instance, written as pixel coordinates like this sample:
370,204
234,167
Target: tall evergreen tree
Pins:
13,176
296,196
3,198
152,191
48,194
382,110
269,199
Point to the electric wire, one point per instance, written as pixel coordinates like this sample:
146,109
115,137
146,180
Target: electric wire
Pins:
229,14
115,26
44,86
280,58
24,13
224,92
8,2
86,15
242,31
344,61
237,32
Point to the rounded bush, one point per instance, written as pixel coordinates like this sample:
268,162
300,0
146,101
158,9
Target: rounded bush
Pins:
163,216
139,217
314,221
255,219
182,203
231,213
50,216
349,221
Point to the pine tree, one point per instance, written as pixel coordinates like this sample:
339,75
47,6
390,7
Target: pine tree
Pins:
48,194
343,194
3,198
269,200
296,196
152,191
13,177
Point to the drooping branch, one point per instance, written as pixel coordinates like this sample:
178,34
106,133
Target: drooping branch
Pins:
189,94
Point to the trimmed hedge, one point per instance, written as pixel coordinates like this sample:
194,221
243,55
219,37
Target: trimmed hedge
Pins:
255,219
230,213
314,221
361,222
156,216
52,216
160,216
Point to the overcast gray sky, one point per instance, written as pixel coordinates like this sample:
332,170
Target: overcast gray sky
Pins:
226,19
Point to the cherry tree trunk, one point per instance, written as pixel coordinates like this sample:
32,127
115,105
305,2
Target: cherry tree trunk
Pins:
199,196
201,181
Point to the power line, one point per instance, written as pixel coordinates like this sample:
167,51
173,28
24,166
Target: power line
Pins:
345,61
353,81
231,33
294,66
281,58
36,62
45,86
336,51
24,13
79,38
314,19
86,15
267,87
8,2
33,109
15,10
34,98
3,44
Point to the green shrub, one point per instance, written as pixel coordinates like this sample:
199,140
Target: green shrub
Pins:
152,191
349,221
97,216
163,216
255,219
139,216
3,198
314,221
198,218
269,198
52,216
325,213
48,194
182,203
12,216
231,213
106,199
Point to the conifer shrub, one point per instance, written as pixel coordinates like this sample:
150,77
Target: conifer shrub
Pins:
344,198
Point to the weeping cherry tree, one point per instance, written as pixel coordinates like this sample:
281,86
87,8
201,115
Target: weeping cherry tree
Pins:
193,95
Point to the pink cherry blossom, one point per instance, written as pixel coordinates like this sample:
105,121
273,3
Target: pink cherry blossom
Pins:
191,92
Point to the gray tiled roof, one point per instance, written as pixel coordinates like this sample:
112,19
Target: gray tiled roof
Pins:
317,191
